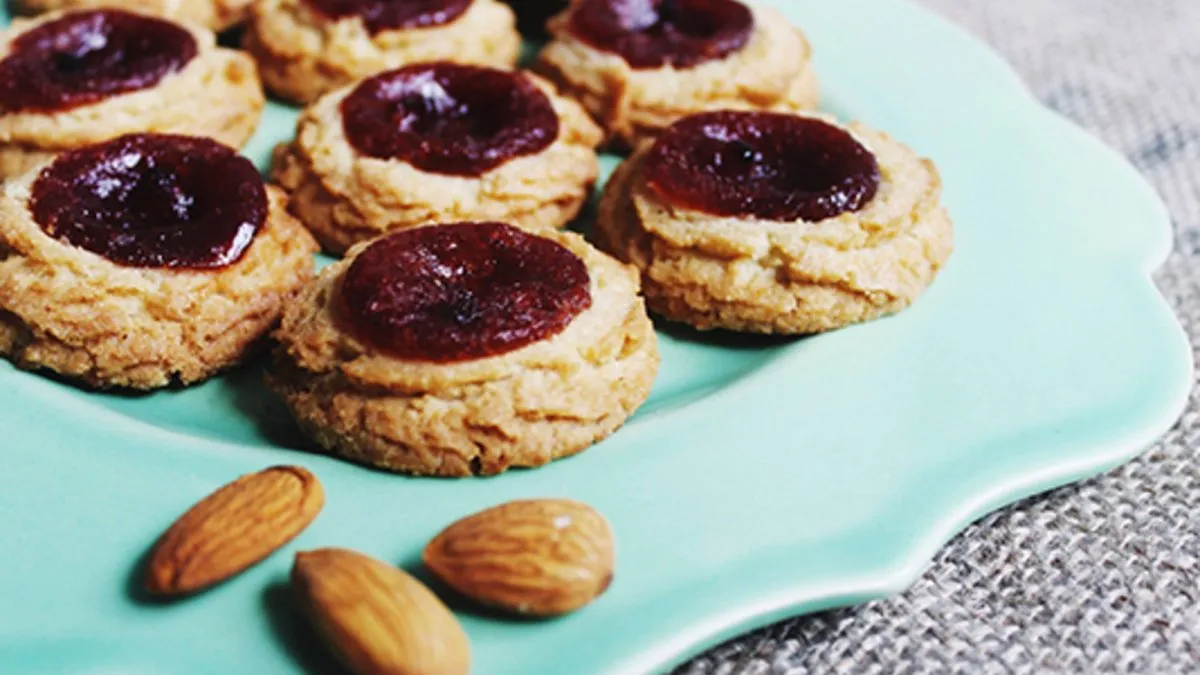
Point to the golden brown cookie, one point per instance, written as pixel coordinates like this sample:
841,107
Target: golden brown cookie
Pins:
213,14
144,260
125,73
307,48
772,223
465,349
638,67
438,142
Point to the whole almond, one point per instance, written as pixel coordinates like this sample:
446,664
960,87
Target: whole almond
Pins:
233,528
539,557
376,618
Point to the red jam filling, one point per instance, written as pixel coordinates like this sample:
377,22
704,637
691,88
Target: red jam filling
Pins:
766,165
657,33
150,200
465,291
449,118
85,57
381,15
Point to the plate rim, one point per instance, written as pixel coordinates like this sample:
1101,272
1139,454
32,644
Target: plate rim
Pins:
907,566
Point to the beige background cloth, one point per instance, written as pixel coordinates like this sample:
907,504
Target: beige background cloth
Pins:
1094,578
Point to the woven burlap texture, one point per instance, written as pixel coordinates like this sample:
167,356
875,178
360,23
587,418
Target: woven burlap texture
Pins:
1099,577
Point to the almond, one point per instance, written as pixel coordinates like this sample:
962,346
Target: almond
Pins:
539,557
233,528
378,619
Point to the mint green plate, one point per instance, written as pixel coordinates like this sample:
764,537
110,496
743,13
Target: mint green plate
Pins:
763,479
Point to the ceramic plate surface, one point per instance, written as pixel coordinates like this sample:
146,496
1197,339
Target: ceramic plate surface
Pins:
764,478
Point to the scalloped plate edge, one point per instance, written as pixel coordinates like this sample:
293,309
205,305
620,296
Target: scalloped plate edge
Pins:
912,554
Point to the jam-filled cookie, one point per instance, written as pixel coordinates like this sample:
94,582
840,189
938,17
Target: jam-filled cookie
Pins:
144,260
639,65
774,223
464,349
307,48
214,14
438,142
68,80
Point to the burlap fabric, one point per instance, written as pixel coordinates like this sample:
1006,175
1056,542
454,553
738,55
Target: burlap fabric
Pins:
1099,577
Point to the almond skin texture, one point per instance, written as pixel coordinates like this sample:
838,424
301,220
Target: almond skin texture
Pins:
233,528
376,618
540,557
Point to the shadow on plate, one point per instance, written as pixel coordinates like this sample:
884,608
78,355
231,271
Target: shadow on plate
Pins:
298,639
135,584
583,221
231,37
263,408
724,339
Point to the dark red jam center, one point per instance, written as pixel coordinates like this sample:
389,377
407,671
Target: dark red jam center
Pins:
767,165
381,15
657,33
84,57
449,118
150,200
464,291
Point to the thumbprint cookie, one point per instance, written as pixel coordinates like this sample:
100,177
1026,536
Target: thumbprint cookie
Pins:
69,80
215,15
144,260
639,65
465,348
307,48
775,223
438,142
